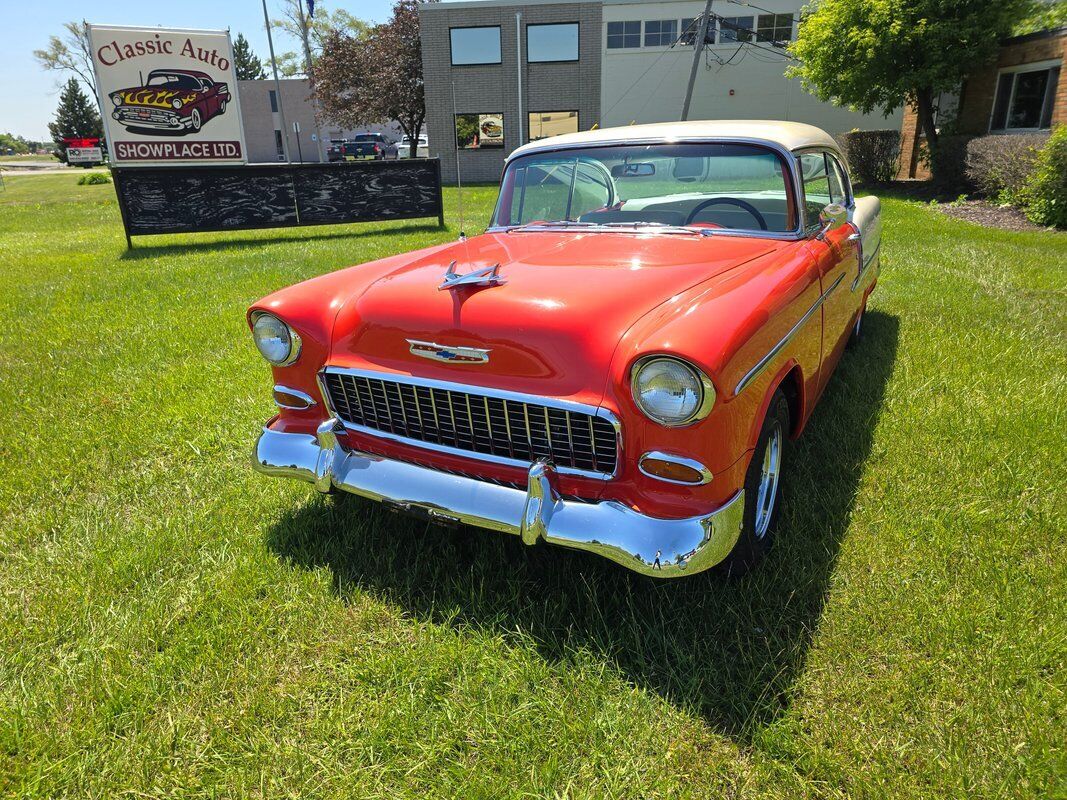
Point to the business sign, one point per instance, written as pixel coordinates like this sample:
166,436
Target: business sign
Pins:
84,155
169,95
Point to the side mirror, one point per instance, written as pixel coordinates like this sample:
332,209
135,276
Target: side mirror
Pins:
832,217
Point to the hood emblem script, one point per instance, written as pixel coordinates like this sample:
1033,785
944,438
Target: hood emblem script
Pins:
448,354
486,276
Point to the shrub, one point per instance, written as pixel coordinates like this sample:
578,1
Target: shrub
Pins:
1000,166
872,155
1046,191
948,164
93,178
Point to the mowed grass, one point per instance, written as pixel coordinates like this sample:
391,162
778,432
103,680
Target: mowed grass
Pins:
173,624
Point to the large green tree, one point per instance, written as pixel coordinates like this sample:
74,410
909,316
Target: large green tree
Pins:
376,77
245,63
870,54
75,117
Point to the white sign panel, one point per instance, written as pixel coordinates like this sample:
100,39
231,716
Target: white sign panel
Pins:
168,95
84,155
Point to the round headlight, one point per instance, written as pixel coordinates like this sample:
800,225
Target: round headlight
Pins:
277,342
116,98
671,392
176,103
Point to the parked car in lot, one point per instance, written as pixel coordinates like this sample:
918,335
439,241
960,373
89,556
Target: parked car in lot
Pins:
335,150
422,148
614,366
371,145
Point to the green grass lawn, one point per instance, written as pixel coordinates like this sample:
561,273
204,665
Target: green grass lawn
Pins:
174,624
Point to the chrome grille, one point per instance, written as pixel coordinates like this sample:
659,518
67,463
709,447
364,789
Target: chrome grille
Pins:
457,419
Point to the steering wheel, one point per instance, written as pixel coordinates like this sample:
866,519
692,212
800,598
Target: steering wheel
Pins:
733,201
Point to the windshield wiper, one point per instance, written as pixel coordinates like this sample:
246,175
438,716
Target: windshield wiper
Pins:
662,226
563,223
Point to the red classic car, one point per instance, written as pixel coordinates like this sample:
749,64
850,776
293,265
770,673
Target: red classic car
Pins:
177,100
613,366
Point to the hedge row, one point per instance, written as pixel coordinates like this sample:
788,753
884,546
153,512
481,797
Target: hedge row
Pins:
1026,171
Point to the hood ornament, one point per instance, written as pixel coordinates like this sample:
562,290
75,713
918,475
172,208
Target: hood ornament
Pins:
486,276
448,353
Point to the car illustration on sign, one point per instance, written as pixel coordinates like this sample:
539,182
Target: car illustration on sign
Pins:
171,100
664,305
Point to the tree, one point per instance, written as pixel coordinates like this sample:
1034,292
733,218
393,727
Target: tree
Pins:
70,54
75,116
374,78
870,54
318,29
245,62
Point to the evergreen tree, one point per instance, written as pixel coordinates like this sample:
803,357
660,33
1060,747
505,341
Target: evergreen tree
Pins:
75,116
245,62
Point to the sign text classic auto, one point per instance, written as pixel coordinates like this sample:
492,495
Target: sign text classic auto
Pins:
167,95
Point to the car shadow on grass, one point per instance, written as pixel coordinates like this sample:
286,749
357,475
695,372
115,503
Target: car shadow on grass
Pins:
270,237
729,650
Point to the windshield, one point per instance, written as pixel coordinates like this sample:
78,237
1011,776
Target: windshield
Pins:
172,81
706,186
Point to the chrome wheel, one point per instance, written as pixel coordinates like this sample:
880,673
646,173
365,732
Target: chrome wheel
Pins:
768,482
858,325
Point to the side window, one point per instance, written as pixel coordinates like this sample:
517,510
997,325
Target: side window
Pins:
817,192
838,181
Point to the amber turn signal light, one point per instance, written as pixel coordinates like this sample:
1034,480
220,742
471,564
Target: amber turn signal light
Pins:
674,469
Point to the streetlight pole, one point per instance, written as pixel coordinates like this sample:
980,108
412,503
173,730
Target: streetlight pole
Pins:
277,85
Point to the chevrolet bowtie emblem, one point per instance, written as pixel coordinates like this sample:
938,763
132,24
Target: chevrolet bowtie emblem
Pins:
449,354
486,276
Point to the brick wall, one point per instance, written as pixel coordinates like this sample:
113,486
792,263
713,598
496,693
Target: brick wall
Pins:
492,88
978,91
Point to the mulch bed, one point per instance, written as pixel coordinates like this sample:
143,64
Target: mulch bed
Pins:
985,213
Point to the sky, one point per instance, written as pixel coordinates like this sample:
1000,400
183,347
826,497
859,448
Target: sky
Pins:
28,94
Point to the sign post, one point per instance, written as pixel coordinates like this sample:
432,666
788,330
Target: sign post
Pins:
169,96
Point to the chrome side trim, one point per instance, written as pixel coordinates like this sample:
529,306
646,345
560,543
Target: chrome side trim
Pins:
762,364
663,548
306,399
659,455
866,263
552,402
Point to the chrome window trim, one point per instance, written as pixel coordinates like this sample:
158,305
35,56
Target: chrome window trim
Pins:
469,388
866,264
659,455
762,364
786,154
815,226
309,401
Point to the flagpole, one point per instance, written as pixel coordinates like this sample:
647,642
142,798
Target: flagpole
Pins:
307,65
277,85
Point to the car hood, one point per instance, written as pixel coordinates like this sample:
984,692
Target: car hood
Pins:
551,327
156,98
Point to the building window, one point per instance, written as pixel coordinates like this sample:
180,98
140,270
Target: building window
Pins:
278,146
624,34
689,29
1025,97
479,131
774,27
660,32
554,42
735,29
475,45
551,123
273,101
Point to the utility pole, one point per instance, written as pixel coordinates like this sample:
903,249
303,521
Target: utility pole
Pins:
277,85
307,71
698,48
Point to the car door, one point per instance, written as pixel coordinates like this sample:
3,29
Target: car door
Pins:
835,253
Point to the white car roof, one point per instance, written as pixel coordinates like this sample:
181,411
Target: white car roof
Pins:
789,135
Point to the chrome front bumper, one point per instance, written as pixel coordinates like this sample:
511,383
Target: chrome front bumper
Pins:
663,548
